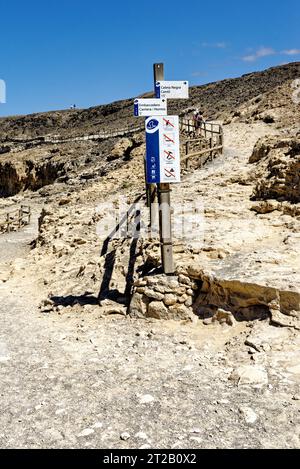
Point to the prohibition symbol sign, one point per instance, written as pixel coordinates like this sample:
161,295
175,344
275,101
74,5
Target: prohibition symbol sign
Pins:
168,123
170,173
170,155
168,139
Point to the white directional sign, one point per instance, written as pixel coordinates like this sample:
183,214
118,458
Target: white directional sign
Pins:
172,89
162,149
150,107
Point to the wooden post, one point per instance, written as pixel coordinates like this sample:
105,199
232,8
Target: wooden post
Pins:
187,150
164,201
8,222
200,148
153,210
221,142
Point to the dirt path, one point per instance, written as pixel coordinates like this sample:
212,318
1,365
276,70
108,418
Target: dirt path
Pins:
17,244
80,381
77,380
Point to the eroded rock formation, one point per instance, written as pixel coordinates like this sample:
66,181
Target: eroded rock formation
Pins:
276,162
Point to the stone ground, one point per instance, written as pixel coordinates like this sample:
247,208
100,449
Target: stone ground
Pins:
75,379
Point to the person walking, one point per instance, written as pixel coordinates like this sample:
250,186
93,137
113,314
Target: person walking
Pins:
198,121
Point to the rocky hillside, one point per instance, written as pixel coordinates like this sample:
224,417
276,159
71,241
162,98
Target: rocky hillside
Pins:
42,149
217,100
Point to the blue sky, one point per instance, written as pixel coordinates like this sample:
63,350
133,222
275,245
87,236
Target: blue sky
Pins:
55,54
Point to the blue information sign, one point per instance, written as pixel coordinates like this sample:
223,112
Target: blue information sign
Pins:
152,151
162,149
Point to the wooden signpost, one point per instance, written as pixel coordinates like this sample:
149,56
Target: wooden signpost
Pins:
162,161
164,201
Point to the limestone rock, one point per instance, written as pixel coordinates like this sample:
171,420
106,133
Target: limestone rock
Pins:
266,206
263,337
180,312
277,168
249,415
254,375
158,310
170,299
223,316
283,320
124,145
184,279
138,305
153,294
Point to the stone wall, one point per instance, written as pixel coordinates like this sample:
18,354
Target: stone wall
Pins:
164,297
193,292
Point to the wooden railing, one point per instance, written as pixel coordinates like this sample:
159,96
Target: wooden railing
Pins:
15,219
208,137
205,129
56,139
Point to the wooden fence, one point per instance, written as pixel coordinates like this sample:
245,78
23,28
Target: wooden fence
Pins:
206,143
15,219
57,139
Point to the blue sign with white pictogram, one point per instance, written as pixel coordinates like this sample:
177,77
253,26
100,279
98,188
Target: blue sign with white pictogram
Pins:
162,149
152,124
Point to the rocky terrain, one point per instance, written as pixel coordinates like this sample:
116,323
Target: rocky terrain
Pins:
98,348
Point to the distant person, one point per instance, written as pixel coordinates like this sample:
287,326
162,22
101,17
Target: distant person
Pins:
195,117
198,120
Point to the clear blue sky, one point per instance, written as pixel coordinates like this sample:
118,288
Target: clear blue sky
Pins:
88,52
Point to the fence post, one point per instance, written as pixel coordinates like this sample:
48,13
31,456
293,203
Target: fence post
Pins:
164,201
187,150
8,222
221,139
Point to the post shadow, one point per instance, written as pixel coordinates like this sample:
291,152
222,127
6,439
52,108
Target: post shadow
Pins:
105,292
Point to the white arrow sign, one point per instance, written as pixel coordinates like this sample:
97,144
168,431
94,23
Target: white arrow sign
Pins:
172,89
150,107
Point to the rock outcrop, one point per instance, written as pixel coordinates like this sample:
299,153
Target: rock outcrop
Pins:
277,168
